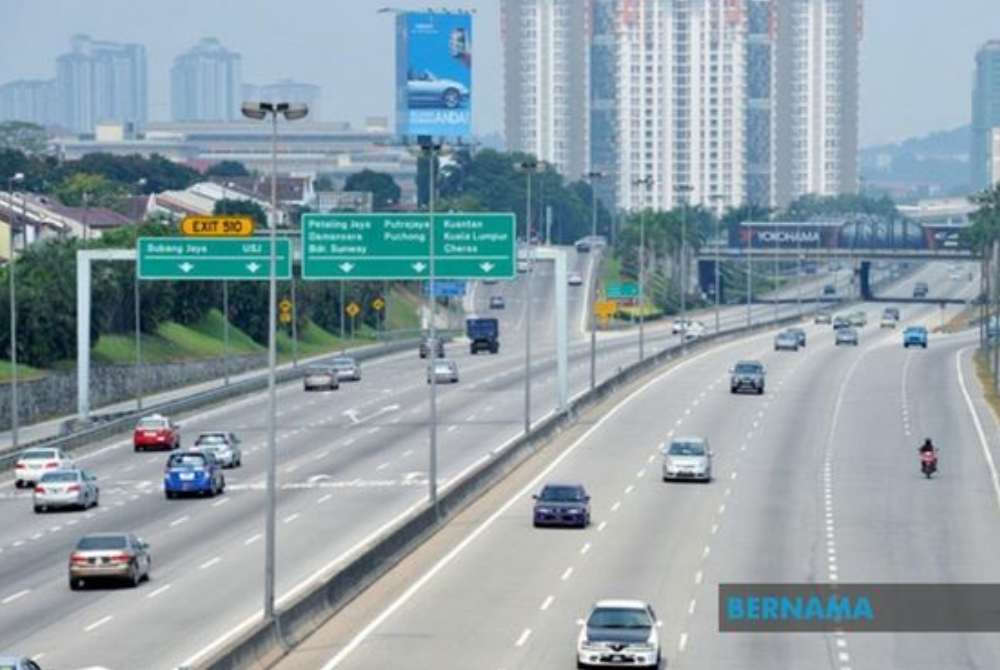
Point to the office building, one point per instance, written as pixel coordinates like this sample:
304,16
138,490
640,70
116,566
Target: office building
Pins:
101,81
206,84
547,81
759,111
995,157
32,101
815,97
604,100
985,111
681,68
288,90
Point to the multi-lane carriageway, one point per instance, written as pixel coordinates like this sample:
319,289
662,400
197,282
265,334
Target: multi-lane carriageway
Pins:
350,462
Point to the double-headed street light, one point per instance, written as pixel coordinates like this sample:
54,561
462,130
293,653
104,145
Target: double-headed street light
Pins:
647,183
529,168
683,190
593,176
16,178
292,112
716,198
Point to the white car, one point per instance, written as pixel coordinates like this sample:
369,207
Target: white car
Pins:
694,330
574,279
224,445
33,463
619,633
680,326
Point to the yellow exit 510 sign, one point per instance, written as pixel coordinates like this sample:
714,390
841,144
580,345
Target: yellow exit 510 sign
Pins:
217,226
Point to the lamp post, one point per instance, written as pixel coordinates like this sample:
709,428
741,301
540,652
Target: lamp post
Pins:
19,177
137,299
647,183
292,112
777,274
593,177
529,168
749,267
225,295
683,190
715,199
430,149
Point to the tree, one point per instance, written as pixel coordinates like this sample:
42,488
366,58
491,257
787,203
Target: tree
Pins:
159,173
985,228
28,138
227,169
95,190
384,189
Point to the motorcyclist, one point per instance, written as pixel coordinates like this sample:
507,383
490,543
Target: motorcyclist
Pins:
928,456
927,447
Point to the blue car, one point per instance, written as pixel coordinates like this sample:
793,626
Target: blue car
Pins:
193,472
562,505
915,336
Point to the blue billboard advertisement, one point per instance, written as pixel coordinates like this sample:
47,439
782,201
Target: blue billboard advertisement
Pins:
434,74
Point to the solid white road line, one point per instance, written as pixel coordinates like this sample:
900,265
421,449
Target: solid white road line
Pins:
14,596
987,454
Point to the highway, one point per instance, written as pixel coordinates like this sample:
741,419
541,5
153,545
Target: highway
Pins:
816,481
350,462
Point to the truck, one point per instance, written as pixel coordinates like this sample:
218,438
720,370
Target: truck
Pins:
483,335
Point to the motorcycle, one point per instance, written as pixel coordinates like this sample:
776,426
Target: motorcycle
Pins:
928,463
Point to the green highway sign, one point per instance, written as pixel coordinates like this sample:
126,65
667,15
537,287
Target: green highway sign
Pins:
188,258
621,291
395,246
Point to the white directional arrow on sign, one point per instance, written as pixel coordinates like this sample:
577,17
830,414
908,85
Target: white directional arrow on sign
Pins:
186,267
419,267
346,267
253,267
487,267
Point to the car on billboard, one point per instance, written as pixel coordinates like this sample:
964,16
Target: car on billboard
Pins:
425,89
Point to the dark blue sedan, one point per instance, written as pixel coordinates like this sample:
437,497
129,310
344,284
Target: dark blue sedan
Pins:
193,472
562,505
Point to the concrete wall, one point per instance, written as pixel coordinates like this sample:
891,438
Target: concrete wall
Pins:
55,395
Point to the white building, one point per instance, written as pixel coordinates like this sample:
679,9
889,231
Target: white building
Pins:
546,80
206,84
815,90
681,103
101,81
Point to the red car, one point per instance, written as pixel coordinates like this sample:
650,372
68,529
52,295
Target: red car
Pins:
156,432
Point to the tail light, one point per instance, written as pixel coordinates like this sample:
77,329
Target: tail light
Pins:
52,466
75,488
40,489
119,558
20,466
78,560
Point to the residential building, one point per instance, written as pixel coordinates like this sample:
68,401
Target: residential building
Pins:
604,100
681,69
759,103
288,90
36,218
815,97
547,81
985,111
33,101
206,84
101,81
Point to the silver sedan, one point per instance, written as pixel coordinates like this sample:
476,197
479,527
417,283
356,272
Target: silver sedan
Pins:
66,488
444,371
224,445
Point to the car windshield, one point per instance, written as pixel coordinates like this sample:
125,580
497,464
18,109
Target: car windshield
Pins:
187,461
561,494
38,455
150,423
442,367
66,476
100,542
620,617
687,449
342,363
319,371
211,438
747,368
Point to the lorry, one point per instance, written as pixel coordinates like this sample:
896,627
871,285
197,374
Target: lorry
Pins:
483,335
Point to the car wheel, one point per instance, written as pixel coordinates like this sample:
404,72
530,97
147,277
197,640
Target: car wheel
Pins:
97,500
451,98
39,509
134,576
75,584
169,495
137,448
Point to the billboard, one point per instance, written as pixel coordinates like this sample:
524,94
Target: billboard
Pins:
434,74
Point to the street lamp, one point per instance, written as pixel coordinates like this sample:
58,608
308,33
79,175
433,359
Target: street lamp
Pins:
683,190
716,198
292,112
646,182
19,177
529,168
593,176
749,266
225,294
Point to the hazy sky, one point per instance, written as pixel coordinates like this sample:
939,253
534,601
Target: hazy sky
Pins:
916,69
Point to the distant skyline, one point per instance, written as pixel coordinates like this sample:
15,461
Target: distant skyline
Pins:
916,62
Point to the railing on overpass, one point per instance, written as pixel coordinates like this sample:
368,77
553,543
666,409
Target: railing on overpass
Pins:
726,252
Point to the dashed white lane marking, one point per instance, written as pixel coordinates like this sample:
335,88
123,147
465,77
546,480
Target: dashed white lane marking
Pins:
841,642
706,551
640,474
291,517
614,508
722,509
162,589
291,468
629,489
324,499
698,576
566,575
408,452
452,429
546,603
209,563
220,503
381,467
36,536
844,657
585,548
524,638
691,606
97,624
321,455
682,644
177,522
601,526
715,528
14,596
251,540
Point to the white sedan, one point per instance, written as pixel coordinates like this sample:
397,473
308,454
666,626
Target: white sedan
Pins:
574,279
33,463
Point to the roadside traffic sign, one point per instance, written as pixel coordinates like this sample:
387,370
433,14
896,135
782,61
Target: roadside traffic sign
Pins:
353,309
184,258
285,305
445,289
626,291
378,304
395,246
605,308
218,226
